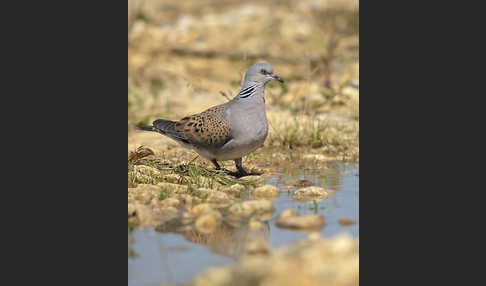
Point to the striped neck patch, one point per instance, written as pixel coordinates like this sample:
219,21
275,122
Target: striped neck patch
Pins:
247,91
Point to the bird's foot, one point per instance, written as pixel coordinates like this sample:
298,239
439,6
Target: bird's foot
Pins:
216,165
239,167
242,173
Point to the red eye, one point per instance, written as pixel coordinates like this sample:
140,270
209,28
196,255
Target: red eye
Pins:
263,71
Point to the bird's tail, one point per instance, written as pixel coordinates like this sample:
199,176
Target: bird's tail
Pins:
165,127
160,125
145,128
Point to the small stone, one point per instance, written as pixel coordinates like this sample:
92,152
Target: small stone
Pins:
201,208
208,222
343,243
171,178
144,197
144,193
314,236
237,188
145,170
131,209
143,213
172,188
165,212
218,197
215,277
350,91
170,202
258,247
305,183
202,192
264,216
266,191
346,221
312,193
252,207
187,199
234,220
187,217
255,225
253,179
290,219
288,213
234,190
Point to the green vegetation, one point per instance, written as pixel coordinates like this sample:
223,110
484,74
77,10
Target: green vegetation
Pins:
188,173
312,132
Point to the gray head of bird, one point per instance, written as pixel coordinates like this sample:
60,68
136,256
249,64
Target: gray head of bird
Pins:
261,73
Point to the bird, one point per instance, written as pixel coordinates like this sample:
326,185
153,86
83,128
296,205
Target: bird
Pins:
228,131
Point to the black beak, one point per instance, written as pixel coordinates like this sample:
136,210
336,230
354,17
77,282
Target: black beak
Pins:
276,77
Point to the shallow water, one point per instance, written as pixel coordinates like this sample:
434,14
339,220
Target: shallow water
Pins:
174,258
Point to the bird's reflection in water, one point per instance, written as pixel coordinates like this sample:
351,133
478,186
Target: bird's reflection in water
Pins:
230,239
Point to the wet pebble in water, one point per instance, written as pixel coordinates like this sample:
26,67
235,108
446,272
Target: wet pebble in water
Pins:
253,179
218,197
312,193
346,221
187,217
290,219
255,224
142,213
266,191
201,208
252,207
258,247
208,222
234,190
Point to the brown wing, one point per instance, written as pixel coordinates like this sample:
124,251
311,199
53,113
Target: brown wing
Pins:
208,128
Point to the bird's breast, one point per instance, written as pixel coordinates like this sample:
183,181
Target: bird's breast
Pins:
250,124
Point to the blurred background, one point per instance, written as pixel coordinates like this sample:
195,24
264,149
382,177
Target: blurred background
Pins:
186,56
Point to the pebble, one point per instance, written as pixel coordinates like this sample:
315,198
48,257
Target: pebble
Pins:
258,247
142,170
266,191
208,222
173,188
255,225
218,197
291,219
346,221
201,208
312,193
253,179
169,202
171,178
252,207
143,214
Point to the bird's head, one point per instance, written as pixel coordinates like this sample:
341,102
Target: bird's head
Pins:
261,73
